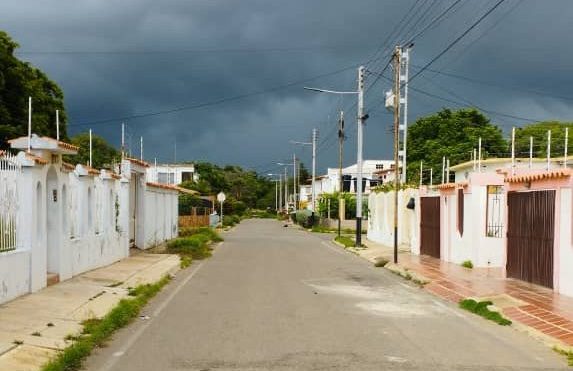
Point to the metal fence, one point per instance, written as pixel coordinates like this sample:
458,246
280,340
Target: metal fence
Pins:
10,170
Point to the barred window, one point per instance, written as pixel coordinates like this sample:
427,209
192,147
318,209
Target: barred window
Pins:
494,214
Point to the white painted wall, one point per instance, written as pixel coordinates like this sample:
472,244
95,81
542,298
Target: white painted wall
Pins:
381,218
161,215
76,220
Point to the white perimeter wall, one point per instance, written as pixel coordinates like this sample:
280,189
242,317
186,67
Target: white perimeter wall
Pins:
381,218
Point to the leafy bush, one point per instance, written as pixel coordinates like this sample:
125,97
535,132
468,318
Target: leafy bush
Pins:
468,264
305,218
481,309
193,244
231,220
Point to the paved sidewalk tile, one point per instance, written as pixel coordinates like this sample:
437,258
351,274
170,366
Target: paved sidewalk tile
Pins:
35,326
539,308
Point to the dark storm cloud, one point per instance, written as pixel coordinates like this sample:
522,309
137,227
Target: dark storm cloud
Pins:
131,57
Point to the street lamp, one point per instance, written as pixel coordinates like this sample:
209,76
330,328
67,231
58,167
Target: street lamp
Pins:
277,187
313,144
361,119
286,182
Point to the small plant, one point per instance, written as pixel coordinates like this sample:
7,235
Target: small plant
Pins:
481,309
36,333
346,241
98,331
566,353
70,337
18,342
185,262
468,264
50,324
381,262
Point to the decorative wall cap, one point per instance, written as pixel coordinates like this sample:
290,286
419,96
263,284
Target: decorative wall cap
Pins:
67,166
36,159
452,185
44,143
551,174
137,161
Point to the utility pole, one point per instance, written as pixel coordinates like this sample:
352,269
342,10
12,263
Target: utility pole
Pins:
280,192
397,94
294,180
566,144
361,120
404,127
314,138
286,191
340,181
122,141
57,125
90,163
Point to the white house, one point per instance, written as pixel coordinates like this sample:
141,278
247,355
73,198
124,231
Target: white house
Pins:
58,220
172,173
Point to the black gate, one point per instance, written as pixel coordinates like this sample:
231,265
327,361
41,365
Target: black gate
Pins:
530,236
430,226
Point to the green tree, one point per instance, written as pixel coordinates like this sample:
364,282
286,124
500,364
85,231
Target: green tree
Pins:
244,188
103,154
18,81
453,134
539,133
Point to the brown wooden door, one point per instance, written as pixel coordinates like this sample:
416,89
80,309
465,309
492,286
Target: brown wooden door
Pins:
530,236
430,226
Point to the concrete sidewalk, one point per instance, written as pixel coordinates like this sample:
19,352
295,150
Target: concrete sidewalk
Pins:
34,327
537,310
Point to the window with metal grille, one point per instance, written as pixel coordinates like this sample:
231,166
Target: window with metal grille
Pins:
494,215
461,211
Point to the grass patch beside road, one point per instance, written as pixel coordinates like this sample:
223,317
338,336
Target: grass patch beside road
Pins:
193,244
97,332
346,241
481,309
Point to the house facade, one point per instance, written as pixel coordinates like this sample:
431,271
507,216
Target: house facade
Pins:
512,215
58,220
172,173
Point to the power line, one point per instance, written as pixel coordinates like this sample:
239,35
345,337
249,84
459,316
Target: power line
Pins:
316,48
457,39
216,101
435,21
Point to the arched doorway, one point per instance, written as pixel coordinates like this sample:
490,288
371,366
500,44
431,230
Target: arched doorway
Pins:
53,219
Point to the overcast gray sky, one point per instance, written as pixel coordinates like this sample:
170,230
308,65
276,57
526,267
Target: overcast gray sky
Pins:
224,78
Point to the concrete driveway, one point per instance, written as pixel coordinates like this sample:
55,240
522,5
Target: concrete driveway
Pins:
275,298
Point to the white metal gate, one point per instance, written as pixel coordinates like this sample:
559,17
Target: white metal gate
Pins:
10,170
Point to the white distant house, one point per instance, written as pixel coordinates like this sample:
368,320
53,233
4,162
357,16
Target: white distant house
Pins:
374,172
172,173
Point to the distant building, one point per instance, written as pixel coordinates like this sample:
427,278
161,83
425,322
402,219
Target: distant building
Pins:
374,172
172,173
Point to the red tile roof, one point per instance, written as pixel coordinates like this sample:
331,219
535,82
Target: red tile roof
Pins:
551,174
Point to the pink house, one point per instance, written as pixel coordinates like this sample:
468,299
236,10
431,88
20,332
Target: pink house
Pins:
520,223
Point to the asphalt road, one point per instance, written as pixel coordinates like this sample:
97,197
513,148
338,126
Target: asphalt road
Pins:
275,298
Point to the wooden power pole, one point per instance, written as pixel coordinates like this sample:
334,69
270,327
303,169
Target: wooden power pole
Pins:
397,95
